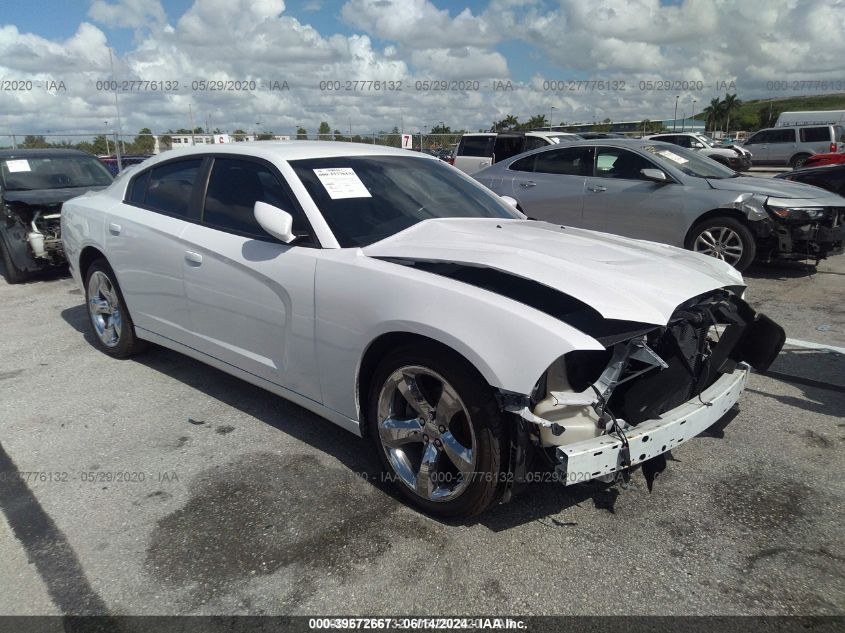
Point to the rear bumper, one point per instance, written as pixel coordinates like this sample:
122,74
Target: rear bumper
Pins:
603,455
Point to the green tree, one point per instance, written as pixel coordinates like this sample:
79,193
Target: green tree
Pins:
144,143
101,146
324,129
713,113
442,128
537,122
729,105
239,134
302,134
34,142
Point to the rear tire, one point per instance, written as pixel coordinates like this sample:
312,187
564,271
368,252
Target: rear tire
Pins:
108,318
797,161
724,238
12,274
438,431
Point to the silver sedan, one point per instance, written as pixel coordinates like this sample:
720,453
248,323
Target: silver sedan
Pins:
664,193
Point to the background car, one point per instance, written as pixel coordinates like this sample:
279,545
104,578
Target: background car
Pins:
395,296
829,177
33,185
664,193
794,144
734,157
132,159
478,150
818,160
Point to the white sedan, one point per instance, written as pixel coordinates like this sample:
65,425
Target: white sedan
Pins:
393,295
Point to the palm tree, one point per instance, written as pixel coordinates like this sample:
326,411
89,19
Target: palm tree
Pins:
730,104
714,113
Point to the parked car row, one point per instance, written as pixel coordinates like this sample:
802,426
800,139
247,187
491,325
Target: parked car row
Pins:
659,192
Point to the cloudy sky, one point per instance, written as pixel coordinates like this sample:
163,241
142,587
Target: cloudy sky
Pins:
62,47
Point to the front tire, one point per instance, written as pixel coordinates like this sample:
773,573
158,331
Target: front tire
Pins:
13,275
438,430
724,238
108,318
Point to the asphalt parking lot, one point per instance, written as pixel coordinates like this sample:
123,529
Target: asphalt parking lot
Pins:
235,501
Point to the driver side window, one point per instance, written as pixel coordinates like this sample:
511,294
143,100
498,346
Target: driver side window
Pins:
233,189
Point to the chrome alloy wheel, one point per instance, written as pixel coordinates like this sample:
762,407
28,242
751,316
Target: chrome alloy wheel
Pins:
104,309
720,242
426,433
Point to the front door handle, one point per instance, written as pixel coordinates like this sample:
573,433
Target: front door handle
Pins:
526,185
195,259
597,188
114,229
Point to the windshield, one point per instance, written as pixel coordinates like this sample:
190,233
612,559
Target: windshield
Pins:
689,162
367,198
53,172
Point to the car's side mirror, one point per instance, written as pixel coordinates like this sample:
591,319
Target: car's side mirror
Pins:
509,201
276,222
655,175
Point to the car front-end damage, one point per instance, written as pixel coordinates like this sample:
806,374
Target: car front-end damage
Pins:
785,228
595,415
31,230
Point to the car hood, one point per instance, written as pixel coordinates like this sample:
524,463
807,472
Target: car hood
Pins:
620,278
769,187
46,196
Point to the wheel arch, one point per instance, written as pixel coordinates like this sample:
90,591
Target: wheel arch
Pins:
87,256
378,348
716,213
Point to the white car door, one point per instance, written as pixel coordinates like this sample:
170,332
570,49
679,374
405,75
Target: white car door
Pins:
145,248
251,297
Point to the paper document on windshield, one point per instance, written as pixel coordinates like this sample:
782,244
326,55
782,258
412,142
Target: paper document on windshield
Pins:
342,182
665,153
17,165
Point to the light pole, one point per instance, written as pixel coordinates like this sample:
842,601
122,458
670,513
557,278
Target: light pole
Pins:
693,113
108,151
191,120
675,117
551,109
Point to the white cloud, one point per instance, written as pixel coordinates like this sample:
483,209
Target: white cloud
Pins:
748,42
131,14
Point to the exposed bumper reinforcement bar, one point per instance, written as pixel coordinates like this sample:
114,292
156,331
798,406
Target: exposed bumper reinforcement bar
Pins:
603,455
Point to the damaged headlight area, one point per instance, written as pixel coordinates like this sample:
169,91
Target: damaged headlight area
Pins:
591,410
34,233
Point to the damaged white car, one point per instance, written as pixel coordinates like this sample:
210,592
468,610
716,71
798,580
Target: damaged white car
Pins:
393,295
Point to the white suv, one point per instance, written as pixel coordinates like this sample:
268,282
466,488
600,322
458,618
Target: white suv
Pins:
736,158
479,150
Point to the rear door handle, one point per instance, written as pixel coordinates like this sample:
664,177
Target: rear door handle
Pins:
195,259
597,188
114,229
526,185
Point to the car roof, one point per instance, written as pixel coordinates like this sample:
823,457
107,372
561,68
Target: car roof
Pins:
289,150
41,153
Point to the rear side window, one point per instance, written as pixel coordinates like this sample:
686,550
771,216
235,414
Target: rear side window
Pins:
507,146
476,146
138,189
781,136
171,185
569,161
839,133
233,189
815,134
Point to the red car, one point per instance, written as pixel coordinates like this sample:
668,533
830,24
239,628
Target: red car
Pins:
817,160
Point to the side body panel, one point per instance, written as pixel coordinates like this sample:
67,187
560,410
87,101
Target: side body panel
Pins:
360,298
